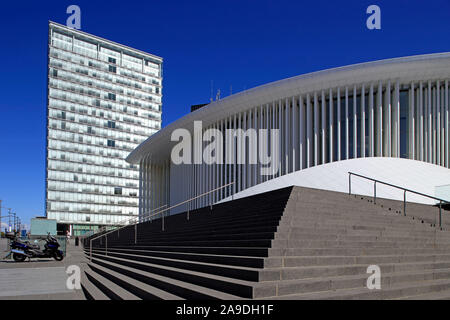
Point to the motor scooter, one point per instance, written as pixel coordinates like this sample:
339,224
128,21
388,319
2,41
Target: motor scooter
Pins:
21,249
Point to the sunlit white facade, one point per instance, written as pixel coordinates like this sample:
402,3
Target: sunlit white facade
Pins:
396,108
104,99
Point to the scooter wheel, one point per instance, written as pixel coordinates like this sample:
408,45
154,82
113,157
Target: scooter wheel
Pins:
58,256
18,257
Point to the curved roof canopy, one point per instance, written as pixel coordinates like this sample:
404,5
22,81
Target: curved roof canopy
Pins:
406,69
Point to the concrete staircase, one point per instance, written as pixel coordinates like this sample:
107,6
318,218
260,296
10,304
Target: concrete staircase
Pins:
293,243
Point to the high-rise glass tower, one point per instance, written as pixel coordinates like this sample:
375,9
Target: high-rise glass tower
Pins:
103,100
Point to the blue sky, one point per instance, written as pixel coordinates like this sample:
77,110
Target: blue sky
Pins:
235,43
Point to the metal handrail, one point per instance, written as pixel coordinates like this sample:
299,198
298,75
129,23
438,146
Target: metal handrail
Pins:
118,229
192,199
441,201
162,216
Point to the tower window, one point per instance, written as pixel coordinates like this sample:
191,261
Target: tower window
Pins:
111,124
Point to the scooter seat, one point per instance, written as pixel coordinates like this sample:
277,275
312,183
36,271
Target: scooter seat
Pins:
34,246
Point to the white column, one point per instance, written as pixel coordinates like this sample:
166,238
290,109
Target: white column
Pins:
389,137
268,127
379,128
301,128
355,124
397,120
426,123
275,156
430,124
248,148
338,116
438,123
442,136
324,125
447,145
316,130
371,122
308,132
280,126
421,123
330,128
234,166
411,127
246,152
294,135
347,137
256,118
433,121
141,187
286,137
363,121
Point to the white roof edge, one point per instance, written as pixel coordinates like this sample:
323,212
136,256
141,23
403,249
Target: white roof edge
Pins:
113,43
383,69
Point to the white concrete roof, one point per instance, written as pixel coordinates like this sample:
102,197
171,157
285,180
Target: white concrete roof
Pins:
407,69
415,175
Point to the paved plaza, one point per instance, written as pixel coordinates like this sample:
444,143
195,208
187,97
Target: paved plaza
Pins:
38,279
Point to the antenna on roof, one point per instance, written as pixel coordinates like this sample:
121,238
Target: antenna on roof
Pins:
212,89
218,95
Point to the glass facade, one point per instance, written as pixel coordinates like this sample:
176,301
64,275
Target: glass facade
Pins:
104,99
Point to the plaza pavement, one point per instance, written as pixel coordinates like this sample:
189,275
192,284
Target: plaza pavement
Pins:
39,279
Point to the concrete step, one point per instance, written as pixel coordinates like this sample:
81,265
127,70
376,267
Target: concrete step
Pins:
399,221
90,291
295,273
354,251
303,261
184,289
263,243
439,295
431,238
297,242
265,226
251,262
351,225
364,230
243,273
217,223
233,251
138,288
397,291
359,281
109,288
291,244
215,236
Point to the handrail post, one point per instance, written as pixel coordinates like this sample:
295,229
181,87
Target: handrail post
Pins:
349,184
440,214
375,192
135,233
90,251
404,203
106,245
162,221
210,203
